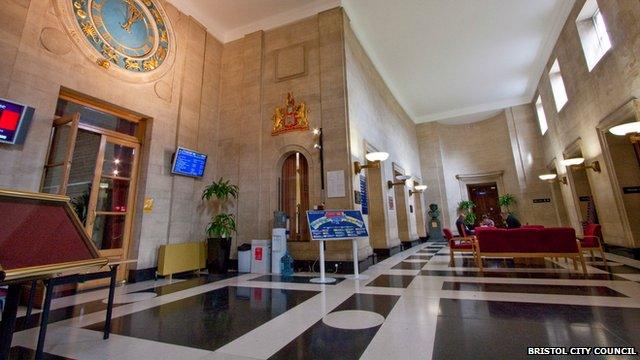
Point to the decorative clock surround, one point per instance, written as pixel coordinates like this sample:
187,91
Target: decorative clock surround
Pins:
130,39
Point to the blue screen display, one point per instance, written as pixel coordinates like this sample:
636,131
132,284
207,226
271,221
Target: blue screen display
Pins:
336,224
189,163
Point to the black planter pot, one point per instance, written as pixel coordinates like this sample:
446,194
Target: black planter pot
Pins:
218,251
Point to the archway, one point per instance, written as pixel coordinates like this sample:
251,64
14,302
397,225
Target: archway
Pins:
294,194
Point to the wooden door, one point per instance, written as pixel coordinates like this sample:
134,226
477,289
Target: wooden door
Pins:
485,196
112,198
295,195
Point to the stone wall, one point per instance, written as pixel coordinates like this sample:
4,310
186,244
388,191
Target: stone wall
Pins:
182,107
305,58
592,96
506,149
378,123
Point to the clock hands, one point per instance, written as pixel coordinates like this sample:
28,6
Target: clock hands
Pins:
134,15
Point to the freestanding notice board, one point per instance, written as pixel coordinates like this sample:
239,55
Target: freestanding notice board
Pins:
330,225
41,238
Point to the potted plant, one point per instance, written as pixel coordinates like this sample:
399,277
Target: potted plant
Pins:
466,207
506,201
221,226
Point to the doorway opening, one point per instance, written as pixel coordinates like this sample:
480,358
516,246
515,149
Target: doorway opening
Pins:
625,161
579,180
485,197
562,218
93,158
295,195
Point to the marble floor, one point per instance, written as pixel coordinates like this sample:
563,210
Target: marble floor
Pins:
410,306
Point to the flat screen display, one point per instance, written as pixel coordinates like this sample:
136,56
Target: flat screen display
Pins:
14,121
188,163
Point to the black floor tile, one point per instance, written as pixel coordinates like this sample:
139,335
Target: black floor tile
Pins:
293,279
23,353
532,289
499,263
521,274
418,257
478,328
399,281
321,341
209,320
406,265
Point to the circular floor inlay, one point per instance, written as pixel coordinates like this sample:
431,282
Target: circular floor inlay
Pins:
353,319
133,297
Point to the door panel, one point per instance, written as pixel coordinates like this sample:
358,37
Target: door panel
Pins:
485,196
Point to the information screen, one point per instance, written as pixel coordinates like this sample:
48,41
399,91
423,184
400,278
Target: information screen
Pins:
189,163
336,224
10,117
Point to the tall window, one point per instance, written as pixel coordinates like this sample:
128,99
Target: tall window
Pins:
542,119
557,86
593,33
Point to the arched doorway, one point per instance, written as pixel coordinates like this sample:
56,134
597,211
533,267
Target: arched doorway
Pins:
294,198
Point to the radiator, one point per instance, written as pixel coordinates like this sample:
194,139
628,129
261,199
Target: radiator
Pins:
177,258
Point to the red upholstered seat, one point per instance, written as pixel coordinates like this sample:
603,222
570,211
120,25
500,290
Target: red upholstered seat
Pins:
532,226
592,236
530,242
458,244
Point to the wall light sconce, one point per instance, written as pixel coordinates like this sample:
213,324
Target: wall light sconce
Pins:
374,159
553,178
417,189
578,163
401,180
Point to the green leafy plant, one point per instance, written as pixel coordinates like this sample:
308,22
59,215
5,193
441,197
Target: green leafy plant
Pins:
506,201
223,224
221,189
466,207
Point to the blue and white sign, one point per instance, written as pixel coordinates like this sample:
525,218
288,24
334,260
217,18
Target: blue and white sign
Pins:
336,224
364,200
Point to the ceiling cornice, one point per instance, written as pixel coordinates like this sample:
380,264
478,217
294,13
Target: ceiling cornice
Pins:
472,110
282,18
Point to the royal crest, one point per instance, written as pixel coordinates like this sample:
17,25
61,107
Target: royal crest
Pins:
290,117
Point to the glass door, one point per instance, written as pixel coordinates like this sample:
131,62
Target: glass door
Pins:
111,200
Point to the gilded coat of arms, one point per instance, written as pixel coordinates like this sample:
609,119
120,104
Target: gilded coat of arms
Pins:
290,117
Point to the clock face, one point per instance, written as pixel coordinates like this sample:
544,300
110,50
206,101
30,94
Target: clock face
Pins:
131,34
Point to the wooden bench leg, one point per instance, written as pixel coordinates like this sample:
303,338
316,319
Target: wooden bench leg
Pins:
451,257
584,266
575,263
604,259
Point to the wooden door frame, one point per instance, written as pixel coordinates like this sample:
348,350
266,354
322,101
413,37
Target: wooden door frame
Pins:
485,184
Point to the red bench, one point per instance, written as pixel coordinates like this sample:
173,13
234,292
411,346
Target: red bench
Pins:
529,242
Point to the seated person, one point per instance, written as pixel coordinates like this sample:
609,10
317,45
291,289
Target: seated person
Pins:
462,226
486,221
510,221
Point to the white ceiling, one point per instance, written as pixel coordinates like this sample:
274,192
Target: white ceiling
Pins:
444,60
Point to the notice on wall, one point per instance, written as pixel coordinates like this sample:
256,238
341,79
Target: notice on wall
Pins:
541,200
363,195
391,205
335,184
631,190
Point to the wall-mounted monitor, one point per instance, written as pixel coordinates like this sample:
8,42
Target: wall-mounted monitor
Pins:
188,163
14,121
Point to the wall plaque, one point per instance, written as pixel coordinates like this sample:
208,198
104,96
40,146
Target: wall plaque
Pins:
631,190
542,200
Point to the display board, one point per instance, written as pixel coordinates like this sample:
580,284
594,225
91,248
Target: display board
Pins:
188,163
40,235
14,121
336,224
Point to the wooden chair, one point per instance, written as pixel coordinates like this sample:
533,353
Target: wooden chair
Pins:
459,244
592,240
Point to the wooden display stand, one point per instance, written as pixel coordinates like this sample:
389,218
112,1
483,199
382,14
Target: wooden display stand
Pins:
42,239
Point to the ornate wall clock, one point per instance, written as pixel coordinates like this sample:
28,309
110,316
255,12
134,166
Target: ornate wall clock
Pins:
128,37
